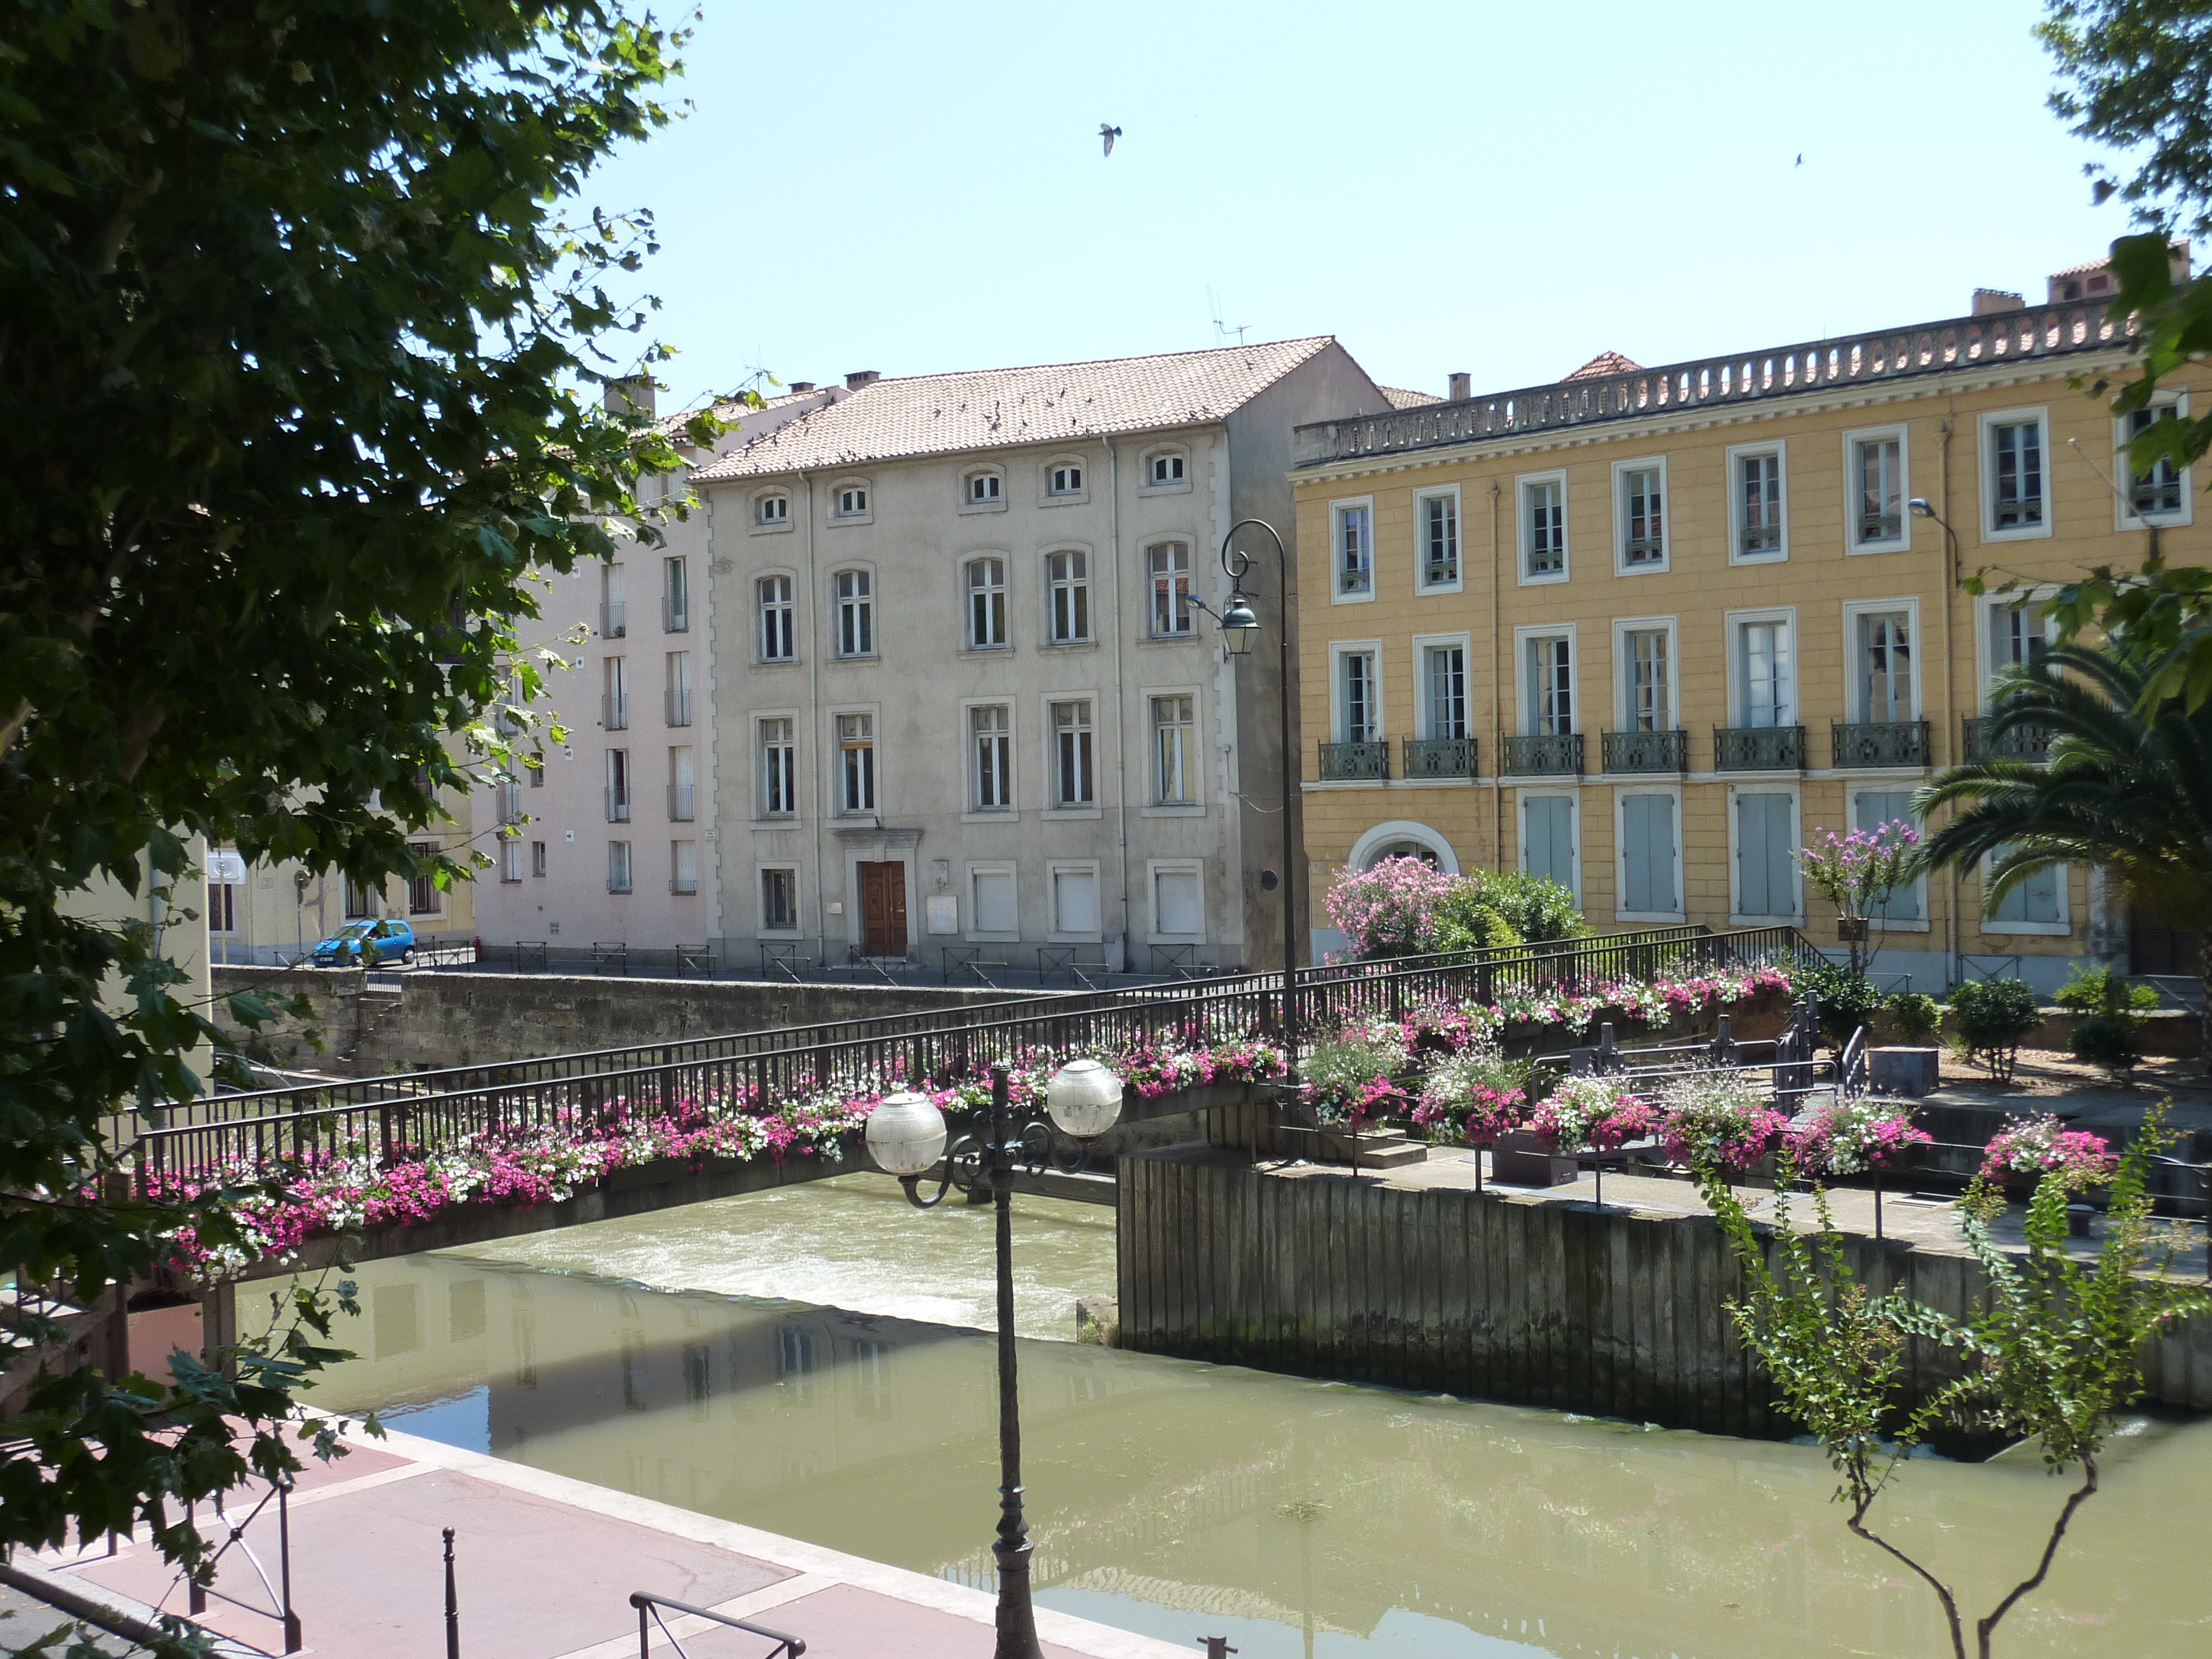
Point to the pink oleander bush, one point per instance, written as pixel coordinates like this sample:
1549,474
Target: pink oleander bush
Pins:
1590,1112
2036,1145
1389,910
1849,1137
1718,1121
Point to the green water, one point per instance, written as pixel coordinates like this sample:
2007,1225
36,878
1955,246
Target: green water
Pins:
809,1370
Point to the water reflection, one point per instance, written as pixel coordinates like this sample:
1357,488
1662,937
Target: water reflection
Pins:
1295,1517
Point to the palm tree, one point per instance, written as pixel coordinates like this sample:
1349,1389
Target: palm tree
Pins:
2122,789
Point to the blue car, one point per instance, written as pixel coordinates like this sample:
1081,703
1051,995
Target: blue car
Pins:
367,944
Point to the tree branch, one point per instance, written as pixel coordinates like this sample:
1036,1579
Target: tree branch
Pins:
1985,1627
1857,1524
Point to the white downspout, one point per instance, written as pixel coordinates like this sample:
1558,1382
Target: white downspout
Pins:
814,755
1121,695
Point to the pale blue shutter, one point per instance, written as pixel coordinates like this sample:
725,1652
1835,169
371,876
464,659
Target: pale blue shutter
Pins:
1876,808
1765,870
1647,823
1548,822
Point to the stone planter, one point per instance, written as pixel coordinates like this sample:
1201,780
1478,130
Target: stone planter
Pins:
1518,1158
1911,1072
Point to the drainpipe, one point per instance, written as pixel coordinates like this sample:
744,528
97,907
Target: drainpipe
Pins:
1950,683
1497,704
1121,736
814,724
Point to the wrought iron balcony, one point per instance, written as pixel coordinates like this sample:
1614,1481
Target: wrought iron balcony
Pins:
1880,742
614,711
1759,749
1361,761
1644,752
2025,743
618,804
1438,758
1557,755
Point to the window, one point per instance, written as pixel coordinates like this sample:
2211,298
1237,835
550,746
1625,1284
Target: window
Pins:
991,900
856,614
1065,479
1755,501
1359,716
992,730
510,861
614,608
1355,556
614,700
1648,877
779,768
1169,563
1871,810
775,631
1068,576
1763,671
1885,666
2016,636
1765,855
1178,908
2039,900
536,858
679,709
423,886
1172,754
856,762
1548,838
987,604
1164,470
779,893
1877,485
1071,756
853,502
2157,491
1646,680
1544,529
2015,453
617,786
221,908
682,787
774,509
1641,487
1445,673
1075,901
536,766
676,595
618,866
983,489
1436,520
356,901
683,866
1551,685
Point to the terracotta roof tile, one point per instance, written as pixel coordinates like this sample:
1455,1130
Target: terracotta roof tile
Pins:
1606,363
1405,397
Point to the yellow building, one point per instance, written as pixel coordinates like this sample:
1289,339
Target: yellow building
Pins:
1646,631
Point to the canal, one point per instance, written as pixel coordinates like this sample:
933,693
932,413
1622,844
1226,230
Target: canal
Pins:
809,1361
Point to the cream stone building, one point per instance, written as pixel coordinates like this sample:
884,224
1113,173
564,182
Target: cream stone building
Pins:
965,708
1646,631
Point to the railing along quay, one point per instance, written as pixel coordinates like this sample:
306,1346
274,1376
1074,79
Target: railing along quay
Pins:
295,1126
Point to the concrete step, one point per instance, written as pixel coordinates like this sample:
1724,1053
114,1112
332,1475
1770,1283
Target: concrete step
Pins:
1371,1149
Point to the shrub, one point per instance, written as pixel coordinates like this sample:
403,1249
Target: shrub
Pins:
1389,910
2111,1041
1913,1015
1989,1016
1403,906
1536,908
1463,920
2111,1035
1848,998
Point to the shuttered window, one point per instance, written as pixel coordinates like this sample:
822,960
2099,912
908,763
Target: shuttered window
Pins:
1648,883
1766,868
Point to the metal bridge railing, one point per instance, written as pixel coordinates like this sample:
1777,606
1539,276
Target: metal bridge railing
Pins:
648,1617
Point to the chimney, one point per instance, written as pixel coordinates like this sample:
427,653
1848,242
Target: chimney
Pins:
1989,301
1462,386
634,393
860,377
802,385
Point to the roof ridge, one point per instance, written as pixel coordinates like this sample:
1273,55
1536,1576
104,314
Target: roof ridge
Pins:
1315,340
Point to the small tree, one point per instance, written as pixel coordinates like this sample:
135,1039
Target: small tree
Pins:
1858,872
2051,1358
1990,1018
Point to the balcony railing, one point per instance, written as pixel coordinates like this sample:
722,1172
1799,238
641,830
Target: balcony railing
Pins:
1644,752
1759,749
680,884
1363,762
614,618
1760,539
1438,758
1557,755
618,805
614,711
675,615
677,708
1880,742
2033,331
2024,743
679,802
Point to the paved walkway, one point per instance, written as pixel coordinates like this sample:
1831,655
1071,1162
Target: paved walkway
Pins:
545,1567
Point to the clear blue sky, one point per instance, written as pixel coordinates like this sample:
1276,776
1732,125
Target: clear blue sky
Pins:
1505,189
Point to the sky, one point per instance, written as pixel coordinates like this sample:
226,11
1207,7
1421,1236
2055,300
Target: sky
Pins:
1507,189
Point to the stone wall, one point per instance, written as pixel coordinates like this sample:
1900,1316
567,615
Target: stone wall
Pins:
439,1018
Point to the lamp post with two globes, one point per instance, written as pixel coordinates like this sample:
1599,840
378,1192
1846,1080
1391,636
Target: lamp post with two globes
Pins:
906,1137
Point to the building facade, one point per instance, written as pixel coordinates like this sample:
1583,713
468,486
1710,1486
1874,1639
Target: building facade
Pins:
968,708
1647,630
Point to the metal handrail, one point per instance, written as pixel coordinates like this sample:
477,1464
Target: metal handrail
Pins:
649,1608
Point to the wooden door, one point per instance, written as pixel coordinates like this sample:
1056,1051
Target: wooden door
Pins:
882,910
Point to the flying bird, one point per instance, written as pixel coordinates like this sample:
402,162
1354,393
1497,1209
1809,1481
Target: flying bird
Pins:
1110,134
1801,158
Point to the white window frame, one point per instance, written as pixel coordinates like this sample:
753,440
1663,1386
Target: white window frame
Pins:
760,718
1621,567
992,479
1524,688
1877,787
763,525
628,866
1193,761
1738,692
1574,800
1985,453
864,514
1522,483
1986,609
1047,496
1423,704
1854,714
971,774
1006,564
1338,650
837,807
1622,627
2124,515
837,603
1088,581
1738,453
1621,796
1902,542
2058,929
1189,546
1172,486
1737,916
1095,807
1154,869
1337,509
1421,500
1053,870
761,929
993,868
788,605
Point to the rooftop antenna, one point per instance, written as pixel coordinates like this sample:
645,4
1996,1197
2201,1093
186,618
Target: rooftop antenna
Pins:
1222,330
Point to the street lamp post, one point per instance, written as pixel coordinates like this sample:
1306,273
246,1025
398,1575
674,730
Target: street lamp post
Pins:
906,1137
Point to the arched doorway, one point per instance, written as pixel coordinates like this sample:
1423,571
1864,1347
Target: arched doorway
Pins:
1402,838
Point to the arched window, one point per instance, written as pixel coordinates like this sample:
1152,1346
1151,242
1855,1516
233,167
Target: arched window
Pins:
772,511
1403,838
1166,468
985,489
